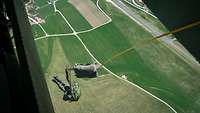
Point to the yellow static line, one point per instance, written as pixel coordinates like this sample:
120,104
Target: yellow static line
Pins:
178,29
146,42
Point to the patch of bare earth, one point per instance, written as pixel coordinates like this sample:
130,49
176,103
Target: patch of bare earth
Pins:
90,12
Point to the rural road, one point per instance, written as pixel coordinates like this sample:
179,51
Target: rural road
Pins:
156,32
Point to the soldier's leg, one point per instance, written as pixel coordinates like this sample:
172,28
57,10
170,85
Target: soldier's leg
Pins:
67,74
60,84
58,80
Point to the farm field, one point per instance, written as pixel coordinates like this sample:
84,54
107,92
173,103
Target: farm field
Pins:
71,39
60,27
98,94
75,19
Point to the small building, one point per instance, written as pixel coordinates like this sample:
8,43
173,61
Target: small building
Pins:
86,70
124,77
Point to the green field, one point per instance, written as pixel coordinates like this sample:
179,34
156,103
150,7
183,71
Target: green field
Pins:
99,95
45,11
41,2
75,19
37,31
153,67
58,25
44,48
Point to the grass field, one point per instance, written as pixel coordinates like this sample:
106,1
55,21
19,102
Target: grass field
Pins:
73,16
41,2
90,12
44,48
58,26
99,95
37,31
155,68
45,11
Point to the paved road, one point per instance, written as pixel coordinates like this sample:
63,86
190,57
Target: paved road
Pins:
156,32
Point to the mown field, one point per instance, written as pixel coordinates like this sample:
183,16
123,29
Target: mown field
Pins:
73,16
58,26
154,67
99,95
41,2
37,31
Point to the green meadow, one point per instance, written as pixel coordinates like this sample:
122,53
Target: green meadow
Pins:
153,66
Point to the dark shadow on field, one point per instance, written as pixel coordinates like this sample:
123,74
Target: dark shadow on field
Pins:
63,87
85,74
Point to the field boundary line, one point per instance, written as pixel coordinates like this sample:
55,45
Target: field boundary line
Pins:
135,4
140,8
79,32
109,20
54,35
97,4
38,24
43,6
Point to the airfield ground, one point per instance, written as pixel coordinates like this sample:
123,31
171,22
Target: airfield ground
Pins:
105,94
90,12
154,67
